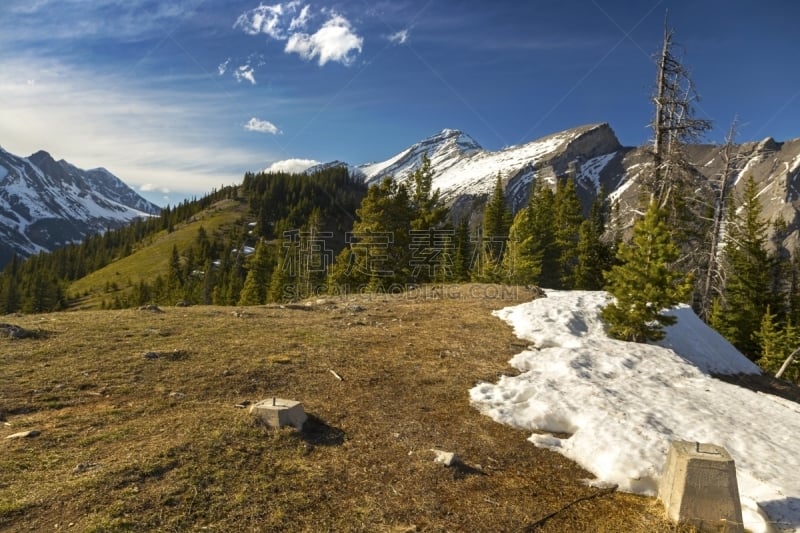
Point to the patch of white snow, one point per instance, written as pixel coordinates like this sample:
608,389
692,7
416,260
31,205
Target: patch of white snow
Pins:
622,403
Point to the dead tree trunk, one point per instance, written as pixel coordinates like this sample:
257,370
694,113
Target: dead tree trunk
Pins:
729,156
674,123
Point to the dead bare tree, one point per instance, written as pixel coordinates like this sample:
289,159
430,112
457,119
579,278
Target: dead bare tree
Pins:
674,124
721,187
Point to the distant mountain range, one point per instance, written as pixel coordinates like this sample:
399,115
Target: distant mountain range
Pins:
466,173
45,204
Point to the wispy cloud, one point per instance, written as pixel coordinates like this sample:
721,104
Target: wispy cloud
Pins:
301,21
142,134
223,67
292,165
334,41
264,19
245,73
150,187
261,126
399,37
27,21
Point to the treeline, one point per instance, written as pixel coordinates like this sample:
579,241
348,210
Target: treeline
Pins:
328,233
293,220
403,236
757,306
38,284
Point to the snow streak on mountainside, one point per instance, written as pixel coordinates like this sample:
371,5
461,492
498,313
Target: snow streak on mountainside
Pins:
461,167
46,203
591,154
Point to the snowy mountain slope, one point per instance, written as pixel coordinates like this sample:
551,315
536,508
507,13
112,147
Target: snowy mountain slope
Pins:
466,173
462,168
45,203
614,406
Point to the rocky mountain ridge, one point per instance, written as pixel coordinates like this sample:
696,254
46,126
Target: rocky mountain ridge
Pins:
46,203
466,173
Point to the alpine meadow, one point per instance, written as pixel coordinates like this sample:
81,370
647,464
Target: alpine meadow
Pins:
503,338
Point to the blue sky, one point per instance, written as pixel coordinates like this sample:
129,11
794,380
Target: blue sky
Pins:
179,96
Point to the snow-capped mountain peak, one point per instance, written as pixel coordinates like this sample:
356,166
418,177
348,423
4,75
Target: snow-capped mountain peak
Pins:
46,203
461,167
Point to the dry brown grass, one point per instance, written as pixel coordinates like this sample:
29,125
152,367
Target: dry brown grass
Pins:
129,443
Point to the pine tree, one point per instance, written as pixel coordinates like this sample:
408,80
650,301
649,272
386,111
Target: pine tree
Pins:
254,291
462,253
541,248
428,209
496,223
523,261
776,344
748,286
568,220
594,255
644,283
175,276
591,259
10,297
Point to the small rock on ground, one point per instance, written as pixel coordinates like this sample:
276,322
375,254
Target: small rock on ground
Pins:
25,434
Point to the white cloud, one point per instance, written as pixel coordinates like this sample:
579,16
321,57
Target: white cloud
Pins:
263,19
294,166
399,37
25,21
150,187
301,20
245,72
272,20
262,126
334,41
223,67
144,135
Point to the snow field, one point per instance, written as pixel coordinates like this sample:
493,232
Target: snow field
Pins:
621,403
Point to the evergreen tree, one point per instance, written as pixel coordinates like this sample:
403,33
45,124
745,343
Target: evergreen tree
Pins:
281,285
493,236
644,283
591,259
523,261
568,219
776,344
379,253
313,257
9,289
541,247
233,287
748,286
175,276
209,281
254,290
593,254
462,253
428,209
496,221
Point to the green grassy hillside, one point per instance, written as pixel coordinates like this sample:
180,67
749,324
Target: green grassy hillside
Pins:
152,256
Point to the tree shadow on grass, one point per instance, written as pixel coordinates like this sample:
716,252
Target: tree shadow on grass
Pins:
315,431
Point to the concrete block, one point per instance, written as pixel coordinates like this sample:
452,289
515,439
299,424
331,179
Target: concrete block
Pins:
699,487
279,412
